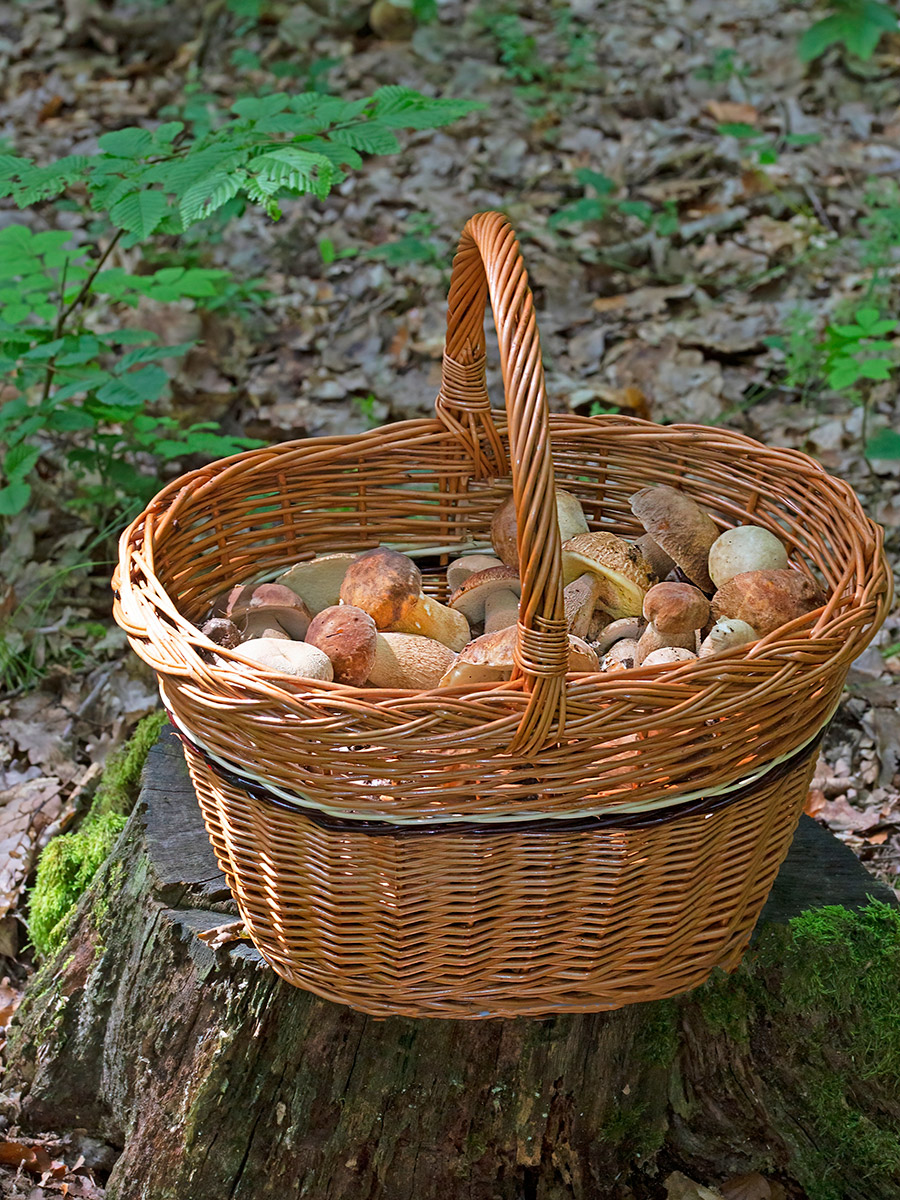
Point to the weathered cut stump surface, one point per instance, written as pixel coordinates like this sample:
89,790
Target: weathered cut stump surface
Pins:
216,1079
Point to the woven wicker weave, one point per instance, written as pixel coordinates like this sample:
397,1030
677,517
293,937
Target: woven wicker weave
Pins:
415,852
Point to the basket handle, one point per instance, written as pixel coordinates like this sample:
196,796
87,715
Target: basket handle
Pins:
488,265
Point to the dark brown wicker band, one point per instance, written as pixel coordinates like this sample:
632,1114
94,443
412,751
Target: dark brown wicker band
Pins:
643,820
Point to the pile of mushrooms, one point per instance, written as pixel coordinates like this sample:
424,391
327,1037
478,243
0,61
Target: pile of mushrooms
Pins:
682,590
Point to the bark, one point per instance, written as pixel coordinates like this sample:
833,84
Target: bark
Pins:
215,1079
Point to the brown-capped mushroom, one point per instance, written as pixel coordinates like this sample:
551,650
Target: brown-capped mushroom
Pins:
318,581
727,633
668,655
489,598
675,612
680,527
628,628
767,599
623,576
348,636
745,548
659,561
569,515
489,658
222,631
388,586
405,660
266,609
288,657
461,568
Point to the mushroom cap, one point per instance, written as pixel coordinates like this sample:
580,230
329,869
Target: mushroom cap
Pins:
271,604
629,628
569,516
222,631
579,599
347,635
623,651
745,548
668,654
582,656
461,568
767,600
405,660
318,581
290,658
676,607
383,583
472,596
680,527
625,575
484,660
660,563
727,633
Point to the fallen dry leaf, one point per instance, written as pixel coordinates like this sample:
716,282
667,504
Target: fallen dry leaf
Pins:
221,935
752,1186
679,1187
732,112
10,998
841,815
27,812
815,802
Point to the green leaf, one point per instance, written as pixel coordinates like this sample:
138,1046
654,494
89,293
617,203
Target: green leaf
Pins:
126,143
70,420
844,374
819,37
852,333
602,184
14,498
738,130
19,460
253,109
209,194
140,212
884,444
861,38
371,138
876,368
154,354
867,317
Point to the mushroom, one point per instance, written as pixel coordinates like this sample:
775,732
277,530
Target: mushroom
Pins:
405,660
745,548
668,654
268,610
489,659
620,656
388,586
580,599
348,636
504,535
461,568
727,633
767,599
623,576
489,598
318,581
222,631
629,628
659,561
680,527
290,658
675,612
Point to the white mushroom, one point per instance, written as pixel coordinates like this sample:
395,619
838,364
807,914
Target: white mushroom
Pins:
290,658
745,548
405,660
727,633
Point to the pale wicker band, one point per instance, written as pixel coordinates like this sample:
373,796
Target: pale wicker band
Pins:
297,799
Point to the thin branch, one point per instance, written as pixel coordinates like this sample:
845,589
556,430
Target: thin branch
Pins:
86,286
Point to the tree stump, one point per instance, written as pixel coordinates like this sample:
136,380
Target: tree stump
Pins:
216,1079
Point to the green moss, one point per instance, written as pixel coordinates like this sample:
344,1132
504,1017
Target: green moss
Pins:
656,1042
121,780
728,1004
834,1010
69,863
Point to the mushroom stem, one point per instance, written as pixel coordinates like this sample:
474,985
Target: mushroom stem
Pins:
431,619
500,610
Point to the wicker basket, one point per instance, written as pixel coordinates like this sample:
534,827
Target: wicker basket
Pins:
558,843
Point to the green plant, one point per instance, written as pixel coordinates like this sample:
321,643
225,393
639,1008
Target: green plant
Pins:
857,25
91,395
597,207
766,148
420,245
724,65
849,350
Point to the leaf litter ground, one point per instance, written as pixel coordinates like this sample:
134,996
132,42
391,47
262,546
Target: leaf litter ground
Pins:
673,301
